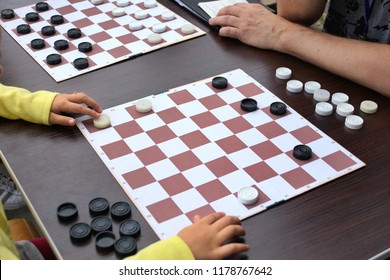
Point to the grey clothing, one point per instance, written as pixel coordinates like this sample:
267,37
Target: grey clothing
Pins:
358,19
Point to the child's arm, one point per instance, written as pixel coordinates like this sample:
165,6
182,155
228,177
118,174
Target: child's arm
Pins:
44,107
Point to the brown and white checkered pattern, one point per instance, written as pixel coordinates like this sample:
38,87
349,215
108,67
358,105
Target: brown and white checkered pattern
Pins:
110,36
197,148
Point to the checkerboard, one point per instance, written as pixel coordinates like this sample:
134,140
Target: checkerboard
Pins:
197,148
110,36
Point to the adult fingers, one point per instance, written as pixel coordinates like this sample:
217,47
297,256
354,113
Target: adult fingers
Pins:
224,20
231,10
230,32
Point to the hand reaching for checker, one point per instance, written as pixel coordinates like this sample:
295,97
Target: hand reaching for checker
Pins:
79,103
207,236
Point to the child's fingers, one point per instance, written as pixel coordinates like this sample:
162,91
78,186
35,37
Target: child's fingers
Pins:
230,249
71,107
81,97
212,218
230,232
223,222
61,120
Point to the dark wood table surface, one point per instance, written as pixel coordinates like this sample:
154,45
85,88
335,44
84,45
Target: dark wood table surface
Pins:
348,218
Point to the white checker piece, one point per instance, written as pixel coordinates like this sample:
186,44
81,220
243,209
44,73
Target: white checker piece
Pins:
283,73
275,189
321,95
311,86
135,25
122,3
368,107
324,108
248,195
339,97
344,109
294,86
354,122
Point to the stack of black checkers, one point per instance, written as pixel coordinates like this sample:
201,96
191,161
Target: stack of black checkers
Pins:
101,226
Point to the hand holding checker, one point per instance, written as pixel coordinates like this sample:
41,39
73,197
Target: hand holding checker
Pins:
72,103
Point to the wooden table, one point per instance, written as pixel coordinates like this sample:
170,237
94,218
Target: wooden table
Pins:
347,218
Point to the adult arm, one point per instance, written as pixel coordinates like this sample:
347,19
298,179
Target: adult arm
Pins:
362,62
305,12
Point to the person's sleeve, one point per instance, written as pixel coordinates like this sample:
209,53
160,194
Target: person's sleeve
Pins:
173,248
8,249
18,103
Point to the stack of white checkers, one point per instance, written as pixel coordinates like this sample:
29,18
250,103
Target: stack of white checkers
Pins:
338,100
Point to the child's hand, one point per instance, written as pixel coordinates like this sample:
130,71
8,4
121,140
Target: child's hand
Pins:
207,236
72,103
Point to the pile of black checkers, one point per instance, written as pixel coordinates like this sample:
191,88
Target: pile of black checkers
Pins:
101,226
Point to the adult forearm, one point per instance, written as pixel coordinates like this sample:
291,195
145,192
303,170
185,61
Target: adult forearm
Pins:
301,11
363,62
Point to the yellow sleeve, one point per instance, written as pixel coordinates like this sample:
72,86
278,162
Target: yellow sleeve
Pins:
18,103
8,250
173,248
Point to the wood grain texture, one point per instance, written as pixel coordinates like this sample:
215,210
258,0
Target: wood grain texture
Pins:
347,218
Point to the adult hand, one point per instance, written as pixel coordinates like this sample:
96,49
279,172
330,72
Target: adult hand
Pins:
252,24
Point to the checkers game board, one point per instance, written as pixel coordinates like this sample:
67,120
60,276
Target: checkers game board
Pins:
197,148
111,38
